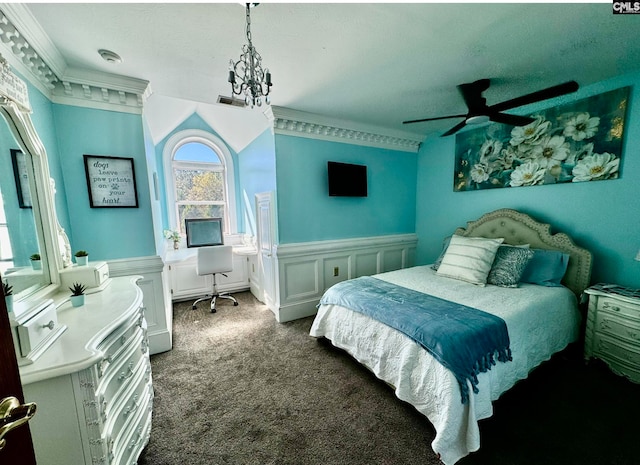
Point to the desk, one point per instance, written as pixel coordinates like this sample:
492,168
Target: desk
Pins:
186,284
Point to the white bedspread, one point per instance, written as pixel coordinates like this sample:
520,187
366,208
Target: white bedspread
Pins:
540,320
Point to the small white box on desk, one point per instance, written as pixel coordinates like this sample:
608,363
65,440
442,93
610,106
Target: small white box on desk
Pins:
92,275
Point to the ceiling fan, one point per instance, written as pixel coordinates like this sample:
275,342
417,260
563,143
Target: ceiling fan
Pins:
479,112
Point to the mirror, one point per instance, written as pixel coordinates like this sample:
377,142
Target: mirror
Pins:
26,183
21,257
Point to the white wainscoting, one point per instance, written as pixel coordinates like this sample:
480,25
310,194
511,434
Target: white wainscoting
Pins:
158,310
306,270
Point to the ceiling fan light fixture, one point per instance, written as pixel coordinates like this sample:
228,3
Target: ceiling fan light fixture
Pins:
109,56
478,119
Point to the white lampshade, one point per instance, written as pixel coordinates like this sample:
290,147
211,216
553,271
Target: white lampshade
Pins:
638,256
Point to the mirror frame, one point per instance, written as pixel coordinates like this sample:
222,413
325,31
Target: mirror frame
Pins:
56,246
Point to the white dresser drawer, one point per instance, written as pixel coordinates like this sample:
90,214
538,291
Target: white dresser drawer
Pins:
618,327
92,275
37,330
135,434
118,375
618,307
138,398
609,348
114,345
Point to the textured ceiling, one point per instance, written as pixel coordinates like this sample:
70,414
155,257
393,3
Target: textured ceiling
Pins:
371,63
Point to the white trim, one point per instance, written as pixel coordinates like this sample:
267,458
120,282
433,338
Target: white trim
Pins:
312,126
302,249
218,146
306,270
29,50
156,303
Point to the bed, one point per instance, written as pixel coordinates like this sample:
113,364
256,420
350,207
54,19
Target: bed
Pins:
540,320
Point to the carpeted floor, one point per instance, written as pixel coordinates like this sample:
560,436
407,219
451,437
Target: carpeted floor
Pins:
239,388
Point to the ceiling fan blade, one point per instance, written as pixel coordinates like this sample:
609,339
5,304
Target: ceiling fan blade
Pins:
433,119
472,95
513,120
544,94
455,129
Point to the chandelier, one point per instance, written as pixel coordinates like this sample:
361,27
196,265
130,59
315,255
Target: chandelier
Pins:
246,75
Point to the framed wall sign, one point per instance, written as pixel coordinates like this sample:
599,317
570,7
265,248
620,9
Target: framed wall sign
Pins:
111,182
22,180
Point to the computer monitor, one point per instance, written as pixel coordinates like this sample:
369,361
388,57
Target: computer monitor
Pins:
202,232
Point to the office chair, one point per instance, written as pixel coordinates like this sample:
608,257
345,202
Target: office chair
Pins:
215,260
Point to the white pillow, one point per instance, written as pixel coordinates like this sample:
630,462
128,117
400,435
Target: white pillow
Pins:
469,259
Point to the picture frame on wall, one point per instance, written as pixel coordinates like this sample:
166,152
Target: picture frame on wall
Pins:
576,142
111,181
19,161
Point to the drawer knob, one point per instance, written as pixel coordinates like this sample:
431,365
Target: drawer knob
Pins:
127,374
131,408
50,325
608,306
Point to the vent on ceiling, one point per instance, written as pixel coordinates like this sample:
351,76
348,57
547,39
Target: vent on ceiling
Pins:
234,102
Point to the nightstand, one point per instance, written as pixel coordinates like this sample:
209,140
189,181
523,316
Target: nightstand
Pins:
613,328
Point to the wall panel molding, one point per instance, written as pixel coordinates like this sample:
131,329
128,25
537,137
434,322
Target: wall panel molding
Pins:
306,270
158,308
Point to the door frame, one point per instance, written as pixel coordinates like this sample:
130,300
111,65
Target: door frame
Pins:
19,447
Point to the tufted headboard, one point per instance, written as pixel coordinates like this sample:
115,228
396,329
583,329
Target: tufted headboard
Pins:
519,228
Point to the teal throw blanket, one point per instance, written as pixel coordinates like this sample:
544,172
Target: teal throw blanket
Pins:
463,339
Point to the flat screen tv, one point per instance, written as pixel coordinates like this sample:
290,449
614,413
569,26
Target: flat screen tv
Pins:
347,180
203,232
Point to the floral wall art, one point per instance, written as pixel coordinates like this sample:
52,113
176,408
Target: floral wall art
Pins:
576,142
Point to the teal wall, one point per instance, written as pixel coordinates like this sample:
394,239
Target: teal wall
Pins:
106,233
257,173
602,216
307,213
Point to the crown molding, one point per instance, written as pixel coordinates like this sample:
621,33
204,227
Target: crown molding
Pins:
302,124
28,49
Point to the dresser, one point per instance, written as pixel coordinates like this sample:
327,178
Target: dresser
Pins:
613,328
93,386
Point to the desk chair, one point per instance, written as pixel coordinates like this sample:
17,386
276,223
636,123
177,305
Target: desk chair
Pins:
215,260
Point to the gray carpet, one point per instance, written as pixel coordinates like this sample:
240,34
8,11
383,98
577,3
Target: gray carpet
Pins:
240,388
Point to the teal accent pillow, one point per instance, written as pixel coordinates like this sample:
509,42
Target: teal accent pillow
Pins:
508,266
546,268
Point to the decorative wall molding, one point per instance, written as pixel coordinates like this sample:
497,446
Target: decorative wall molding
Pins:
158,309
306,270
27,48
302,124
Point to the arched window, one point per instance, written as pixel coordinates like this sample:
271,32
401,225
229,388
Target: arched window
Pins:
199,177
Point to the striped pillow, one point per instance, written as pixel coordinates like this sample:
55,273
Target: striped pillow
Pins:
469,259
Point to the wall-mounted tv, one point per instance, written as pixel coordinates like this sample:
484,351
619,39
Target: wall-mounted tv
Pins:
347,180
202,232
